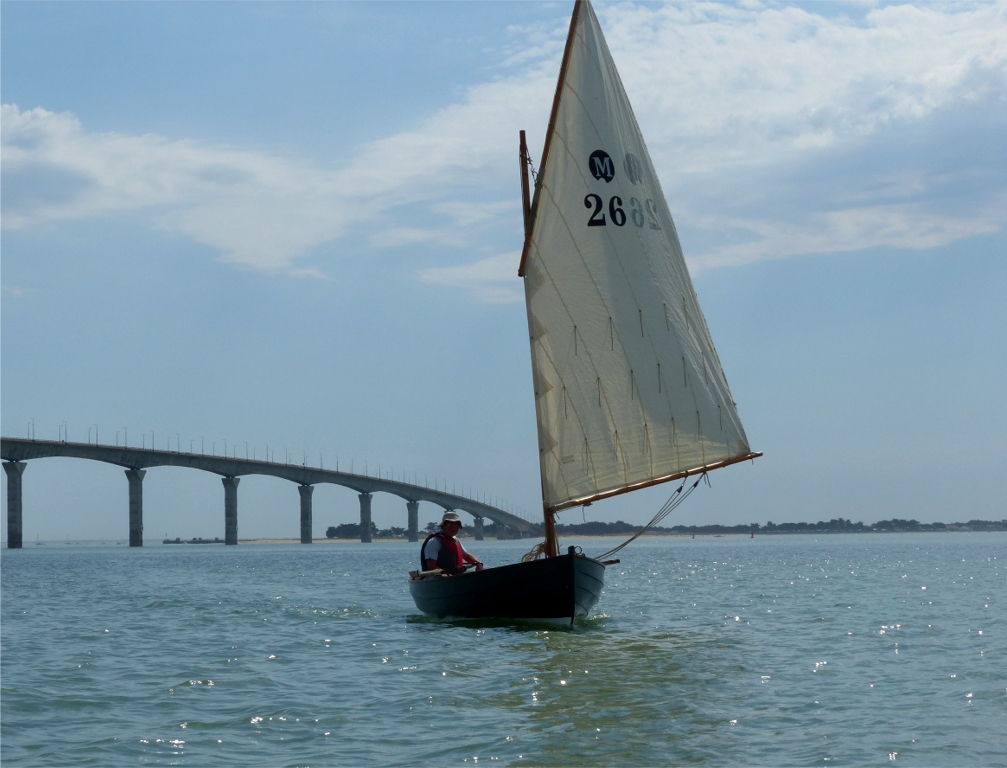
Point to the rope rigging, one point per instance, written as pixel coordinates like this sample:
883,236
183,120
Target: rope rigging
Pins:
669,506
531,167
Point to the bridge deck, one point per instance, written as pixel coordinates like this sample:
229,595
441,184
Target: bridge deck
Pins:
13,449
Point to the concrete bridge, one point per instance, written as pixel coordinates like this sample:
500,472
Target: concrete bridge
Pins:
16,452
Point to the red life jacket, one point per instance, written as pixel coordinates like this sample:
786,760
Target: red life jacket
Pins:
450,559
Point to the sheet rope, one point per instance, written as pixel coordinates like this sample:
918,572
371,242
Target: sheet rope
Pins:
669,506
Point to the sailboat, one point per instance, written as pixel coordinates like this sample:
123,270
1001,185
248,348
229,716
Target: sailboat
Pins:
629,390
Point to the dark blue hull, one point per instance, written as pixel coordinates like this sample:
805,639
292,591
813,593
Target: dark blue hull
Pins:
552,589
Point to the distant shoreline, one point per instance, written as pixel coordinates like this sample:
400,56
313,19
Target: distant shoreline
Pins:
403,540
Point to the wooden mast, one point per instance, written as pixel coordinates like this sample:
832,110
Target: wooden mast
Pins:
550,547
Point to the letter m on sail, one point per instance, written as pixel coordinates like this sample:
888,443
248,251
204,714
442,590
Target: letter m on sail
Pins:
601,165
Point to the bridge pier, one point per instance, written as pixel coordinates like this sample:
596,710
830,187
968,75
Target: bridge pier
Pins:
14,470
135,477
365,518
413,507
479,529
306,491
230,509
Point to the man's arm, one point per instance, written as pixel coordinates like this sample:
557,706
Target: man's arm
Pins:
470,558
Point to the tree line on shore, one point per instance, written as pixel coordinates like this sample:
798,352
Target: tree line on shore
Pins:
619,528
353,530
836,525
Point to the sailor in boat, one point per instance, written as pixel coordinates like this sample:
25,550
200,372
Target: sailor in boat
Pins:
442,550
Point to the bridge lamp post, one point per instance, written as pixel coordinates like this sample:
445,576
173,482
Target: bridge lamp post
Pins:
190,445
125,438
95,434
178,442
89,435
246,450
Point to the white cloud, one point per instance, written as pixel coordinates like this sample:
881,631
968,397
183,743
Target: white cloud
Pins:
397,237
851,229
493,280
717,84
466,213
16,291
716,88
463,215
258,210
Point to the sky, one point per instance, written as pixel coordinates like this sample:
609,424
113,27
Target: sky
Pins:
297,225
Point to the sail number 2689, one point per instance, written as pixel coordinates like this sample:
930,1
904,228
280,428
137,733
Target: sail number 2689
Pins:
616,212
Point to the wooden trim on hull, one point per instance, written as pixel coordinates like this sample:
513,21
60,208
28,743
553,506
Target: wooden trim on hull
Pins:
561,587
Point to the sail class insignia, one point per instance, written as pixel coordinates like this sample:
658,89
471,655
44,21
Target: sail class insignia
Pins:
601,165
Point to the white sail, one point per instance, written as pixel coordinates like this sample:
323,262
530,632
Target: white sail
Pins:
629,389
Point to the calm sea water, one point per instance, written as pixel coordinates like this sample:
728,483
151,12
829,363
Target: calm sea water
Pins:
786,650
